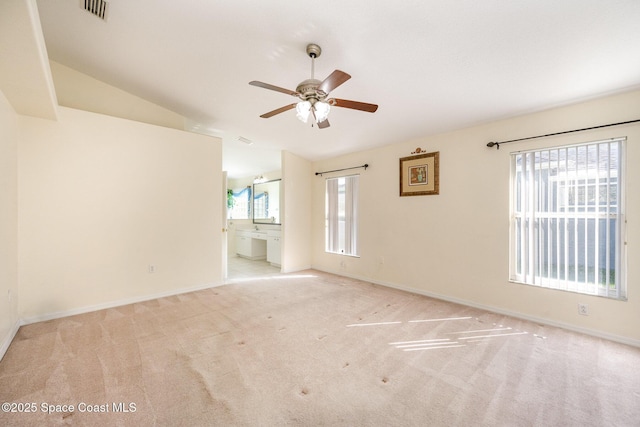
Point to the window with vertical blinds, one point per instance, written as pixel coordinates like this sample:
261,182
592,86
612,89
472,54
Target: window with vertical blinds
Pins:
341,215
567,218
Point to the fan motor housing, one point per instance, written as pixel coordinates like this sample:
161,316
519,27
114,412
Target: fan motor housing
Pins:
309,89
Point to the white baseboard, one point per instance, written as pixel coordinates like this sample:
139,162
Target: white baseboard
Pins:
112,304
540,320
6,342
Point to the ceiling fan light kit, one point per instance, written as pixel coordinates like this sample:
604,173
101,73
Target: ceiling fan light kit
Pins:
322,111
314,95
303,108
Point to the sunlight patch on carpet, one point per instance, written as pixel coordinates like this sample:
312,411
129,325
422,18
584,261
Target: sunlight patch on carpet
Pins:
480,330
439,320
461,339
426,344
373,324
434,348
492,336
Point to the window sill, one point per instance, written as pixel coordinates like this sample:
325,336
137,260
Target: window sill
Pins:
339,253
610,297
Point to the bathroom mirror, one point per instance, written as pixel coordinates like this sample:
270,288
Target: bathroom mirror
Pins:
266,202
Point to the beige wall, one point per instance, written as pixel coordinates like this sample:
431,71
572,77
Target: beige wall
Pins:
456,245
101,199
296,179
25,77
8,224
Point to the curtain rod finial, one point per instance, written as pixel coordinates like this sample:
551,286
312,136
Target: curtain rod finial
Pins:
491,144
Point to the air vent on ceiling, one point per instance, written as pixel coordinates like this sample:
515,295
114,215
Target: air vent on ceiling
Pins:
97,8
245,140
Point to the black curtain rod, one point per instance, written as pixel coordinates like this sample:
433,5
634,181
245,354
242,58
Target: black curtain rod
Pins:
497,144
365,166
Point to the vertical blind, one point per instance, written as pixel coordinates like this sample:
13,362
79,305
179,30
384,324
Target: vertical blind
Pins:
567,218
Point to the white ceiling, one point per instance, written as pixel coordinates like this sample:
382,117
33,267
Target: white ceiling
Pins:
431,65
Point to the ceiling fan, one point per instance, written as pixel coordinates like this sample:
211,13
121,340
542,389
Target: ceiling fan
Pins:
314,95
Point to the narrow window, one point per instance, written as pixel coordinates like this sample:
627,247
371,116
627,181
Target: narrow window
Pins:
341,215
567,218
240,206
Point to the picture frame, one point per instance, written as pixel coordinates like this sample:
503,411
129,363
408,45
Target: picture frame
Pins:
419,174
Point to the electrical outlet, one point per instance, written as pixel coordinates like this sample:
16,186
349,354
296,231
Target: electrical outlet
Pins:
583,309
152,268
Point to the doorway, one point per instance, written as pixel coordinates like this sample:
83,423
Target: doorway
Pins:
239,269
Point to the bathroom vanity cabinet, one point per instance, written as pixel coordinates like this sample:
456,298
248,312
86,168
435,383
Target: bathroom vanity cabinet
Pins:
259,244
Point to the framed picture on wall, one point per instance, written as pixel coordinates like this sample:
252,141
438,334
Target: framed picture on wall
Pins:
419,174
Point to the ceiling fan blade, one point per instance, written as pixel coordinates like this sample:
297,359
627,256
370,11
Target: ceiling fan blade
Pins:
334,80
355,105
278,111
323,124
272,87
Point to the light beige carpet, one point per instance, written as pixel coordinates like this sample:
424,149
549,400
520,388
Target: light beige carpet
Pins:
313,349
